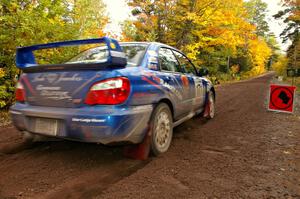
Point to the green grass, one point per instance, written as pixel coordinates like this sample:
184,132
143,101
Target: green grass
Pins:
229,78
296,82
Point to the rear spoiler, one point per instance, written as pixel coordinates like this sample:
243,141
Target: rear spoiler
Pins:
25,59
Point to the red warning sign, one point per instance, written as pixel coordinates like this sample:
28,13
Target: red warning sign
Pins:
282,98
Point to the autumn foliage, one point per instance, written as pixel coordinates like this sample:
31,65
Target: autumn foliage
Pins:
231,38
216,34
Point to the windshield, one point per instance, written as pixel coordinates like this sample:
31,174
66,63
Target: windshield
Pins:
134,53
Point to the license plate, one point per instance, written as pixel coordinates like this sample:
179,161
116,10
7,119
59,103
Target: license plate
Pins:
46,126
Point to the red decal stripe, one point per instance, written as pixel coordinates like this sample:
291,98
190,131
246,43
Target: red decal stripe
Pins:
25,80
150,82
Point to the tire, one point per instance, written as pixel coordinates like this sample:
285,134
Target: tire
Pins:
162,129
210,108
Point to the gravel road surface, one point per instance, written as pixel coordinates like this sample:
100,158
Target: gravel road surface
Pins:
244,152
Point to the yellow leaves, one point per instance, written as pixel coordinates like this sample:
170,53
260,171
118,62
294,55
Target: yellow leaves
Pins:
13,7
100,33
259,54
51,21
220,26
2,73
295,16
223,31
235,69
191,16
281,65
208,31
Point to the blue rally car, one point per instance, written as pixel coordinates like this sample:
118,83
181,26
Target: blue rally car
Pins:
112,93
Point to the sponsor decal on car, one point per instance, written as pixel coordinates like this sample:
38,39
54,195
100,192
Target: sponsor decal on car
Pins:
88,120
53,92
112,45
185,81
54,78
160,83
173,90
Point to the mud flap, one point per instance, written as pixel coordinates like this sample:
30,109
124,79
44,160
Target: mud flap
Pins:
139,151
207,108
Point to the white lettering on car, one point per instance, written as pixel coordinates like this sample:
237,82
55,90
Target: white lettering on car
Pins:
87,120
53,92
54,78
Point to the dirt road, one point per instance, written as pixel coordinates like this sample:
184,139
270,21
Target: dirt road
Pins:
245,152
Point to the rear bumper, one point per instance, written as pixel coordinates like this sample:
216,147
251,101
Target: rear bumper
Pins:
100,124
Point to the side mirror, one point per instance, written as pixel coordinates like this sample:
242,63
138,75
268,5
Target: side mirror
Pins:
202,72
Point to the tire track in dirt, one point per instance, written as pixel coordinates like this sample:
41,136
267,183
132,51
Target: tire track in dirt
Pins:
90,184
60,169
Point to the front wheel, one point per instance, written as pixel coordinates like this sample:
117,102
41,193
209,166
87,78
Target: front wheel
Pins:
162,129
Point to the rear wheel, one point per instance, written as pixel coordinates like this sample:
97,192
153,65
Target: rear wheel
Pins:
210,106
162,129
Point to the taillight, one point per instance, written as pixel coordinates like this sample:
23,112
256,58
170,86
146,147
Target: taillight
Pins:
20,92
109,91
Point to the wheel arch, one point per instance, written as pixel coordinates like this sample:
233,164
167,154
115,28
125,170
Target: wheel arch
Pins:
169,103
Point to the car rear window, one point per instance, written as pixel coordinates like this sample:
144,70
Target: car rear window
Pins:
134,53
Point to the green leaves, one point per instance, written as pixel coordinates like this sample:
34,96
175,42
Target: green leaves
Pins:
256,10
291,17
27,22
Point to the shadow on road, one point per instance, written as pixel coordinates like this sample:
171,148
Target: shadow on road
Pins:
60,169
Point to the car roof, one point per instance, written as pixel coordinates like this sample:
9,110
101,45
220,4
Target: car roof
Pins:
157,44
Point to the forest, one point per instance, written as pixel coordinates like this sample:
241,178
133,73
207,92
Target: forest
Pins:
231,38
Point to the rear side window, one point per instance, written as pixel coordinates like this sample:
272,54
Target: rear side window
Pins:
168,61
185,64
134,53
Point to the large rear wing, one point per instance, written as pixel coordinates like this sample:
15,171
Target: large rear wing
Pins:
25,59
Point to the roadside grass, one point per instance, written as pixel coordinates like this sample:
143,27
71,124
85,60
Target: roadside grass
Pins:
290,81
296,82
223,78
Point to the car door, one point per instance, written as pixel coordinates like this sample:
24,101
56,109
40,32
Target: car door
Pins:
170,73
197,93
